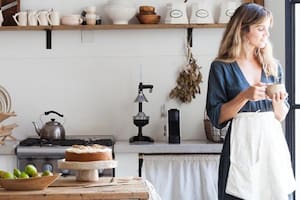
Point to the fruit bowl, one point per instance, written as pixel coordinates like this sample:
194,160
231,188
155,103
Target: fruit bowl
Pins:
32,183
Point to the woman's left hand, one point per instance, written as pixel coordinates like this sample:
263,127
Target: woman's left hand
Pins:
278,97
279,106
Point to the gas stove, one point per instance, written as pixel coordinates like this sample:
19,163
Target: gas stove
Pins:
43,154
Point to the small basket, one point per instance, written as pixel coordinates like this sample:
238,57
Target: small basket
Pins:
214,134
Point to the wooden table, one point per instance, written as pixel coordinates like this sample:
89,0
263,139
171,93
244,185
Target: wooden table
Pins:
69,189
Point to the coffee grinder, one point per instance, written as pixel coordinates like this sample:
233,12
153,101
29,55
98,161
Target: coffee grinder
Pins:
141,119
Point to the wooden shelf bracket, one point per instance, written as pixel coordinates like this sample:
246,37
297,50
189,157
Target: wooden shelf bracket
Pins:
190,36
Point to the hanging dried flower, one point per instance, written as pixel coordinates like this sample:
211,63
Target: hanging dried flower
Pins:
188,81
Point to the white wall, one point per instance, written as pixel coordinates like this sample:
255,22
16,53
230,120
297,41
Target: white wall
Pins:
92,76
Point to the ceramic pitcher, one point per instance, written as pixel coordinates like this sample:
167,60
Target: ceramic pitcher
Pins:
43,18
20,18
1,18
32,18
53,18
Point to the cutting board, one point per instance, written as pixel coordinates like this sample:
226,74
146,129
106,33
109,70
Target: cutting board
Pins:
9,8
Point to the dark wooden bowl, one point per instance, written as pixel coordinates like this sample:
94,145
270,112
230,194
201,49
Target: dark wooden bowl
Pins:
148,19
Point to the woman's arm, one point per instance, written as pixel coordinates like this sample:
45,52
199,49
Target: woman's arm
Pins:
232,107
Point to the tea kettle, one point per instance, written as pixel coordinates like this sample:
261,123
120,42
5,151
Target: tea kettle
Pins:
51,130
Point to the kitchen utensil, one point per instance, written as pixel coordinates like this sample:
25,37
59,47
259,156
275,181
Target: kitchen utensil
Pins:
20,18
72,20
52,129
32,183
227,9
176,13
275,88
53,18
90,19
148,18
32,18
90,10
120,12
87,171
43,18
147,9
1,17
141,119
202,13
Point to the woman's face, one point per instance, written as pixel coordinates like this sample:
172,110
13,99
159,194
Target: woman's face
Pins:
258,34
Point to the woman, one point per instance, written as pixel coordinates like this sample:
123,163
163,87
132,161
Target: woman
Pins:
255,161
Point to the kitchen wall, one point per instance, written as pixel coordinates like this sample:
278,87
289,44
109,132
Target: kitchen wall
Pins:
92,76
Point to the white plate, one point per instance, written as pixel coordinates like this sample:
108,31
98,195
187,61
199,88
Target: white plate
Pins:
6,97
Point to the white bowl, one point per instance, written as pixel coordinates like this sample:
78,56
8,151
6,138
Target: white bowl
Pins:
126,3
120,14
71,20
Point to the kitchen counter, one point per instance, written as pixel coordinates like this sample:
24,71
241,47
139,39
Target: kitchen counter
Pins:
186,146
69,189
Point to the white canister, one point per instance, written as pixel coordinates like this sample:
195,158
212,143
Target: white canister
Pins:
176,13
227,9
202,13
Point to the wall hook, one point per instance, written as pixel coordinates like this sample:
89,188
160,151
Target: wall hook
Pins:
190,36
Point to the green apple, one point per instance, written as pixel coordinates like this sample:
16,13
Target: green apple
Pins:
47,173
17,172
23,175
8,175
31,170
2,173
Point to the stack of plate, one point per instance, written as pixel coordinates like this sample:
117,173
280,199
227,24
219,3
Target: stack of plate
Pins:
5,100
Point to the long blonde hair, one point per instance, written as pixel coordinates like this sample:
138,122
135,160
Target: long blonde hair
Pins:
233,43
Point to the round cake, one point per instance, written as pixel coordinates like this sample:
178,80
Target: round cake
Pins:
81,153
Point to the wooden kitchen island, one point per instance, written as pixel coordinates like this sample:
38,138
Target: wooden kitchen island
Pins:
69,189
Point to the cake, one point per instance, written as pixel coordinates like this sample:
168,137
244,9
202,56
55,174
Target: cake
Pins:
81,153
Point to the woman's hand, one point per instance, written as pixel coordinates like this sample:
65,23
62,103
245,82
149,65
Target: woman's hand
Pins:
279,106
256,92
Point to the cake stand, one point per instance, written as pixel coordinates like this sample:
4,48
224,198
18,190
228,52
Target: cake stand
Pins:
87,171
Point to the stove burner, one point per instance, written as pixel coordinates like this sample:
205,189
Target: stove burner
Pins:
66,142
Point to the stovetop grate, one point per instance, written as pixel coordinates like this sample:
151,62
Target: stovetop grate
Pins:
66,142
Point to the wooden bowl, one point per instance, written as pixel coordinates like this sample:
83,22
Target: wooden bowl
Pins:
147,9
148,19
33,183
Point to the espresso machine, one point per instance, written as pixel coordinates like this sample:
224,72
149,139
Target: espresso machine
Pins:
141,119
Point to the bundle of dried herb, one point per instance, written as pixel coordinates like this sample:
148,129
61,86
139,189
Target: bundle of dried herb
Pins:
188,81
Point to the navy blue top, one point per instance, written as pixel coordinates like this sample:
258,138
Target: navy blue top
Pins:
225,81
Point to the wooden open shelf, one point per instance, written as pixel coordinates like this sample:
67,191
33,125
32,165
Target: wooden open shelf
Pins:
110,27
49,29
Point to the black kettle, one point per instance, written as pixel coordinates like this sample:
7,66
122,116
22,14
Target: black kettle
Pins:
51,130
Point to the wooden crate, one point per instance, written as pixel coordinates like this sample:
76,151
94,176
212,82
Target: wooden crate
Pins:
9,8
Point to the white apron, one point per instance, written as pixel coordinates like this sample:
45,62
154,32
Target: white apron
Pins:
260,166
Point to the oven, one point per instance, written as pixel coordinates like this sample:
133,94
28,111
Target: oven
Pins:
43,154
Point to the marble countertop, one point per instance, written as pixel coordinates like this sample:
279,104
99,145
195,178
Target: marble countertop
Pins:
186,146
